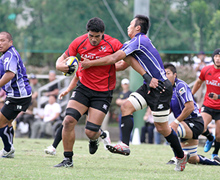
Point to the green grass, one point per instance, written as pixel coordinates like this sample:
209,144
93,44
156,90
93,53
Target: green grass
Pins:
145,162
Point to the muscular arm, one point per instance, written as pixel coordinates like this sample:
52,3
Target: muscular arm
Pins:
6,78
196,86
188,109
107,60
61,63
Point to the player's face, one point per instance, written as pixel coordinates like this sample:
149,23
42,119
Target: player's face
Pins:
95,37
170,76
217,61
4,43
132,29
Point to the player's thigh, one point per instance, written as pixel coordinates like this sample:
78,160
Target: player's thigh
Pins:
73,104
95,116
207,118
127,108
189,133
4,121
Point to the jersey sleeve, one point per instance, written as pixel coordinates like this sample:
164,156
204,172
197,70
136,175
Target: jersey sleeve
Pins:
130,46
11,63
184,93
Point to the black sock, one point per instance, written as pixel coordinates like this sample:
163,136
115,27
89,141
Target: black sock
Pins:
103,134
217,146
205,161
11,129
208,135
58,137
5,138
175,144
126,128
68,155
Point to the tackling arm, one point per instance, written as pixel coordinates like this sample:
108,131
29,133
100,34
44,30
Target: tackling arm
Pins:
107,60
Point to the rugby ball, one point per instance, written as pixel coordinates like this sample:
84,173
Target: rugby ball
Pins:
73,64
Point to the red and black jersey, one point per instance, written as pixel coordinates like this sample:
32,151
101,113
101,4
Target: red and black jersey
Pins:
211,76
98,78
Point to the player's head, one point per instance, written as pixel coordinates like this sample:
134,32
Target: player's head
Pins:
216,57
140,23
5,41
95,28
170,72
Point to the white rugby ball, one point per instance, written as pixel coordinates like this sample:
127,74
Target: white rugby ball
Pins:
74,63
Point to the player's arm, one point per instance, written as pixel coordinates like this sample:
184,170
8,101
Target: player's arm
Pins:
196,86
8,76
121,65
61,63
71,86
107,60
187,110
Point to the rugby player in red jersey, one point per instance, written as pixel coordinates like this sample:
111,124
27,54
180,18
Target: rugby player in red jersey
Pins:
211,105
94,90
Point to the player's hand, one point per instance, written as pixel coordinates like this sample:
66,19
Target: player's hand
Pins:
174,126
85,63
61,65
213,96
157,84
64,93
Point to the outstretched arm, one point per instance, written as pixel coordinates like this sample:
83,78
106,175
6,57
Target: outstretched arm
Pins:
8,76
110,59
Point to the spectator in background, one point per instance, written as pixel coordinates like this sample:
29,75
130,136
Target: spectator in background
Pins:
52,90
25,120
43,126
200,62
122,97
148,127
35,85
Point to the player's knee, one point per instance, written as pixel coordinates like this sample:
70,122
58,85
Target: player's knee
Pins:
217,138
74,113
90,134
69,121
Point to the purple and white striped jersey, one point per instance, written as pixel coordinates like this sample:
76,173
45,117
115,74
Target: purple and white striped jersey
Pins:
141,48
19,86
182,94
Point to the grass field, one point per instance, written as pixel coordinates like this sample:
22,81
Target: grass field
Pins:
145,162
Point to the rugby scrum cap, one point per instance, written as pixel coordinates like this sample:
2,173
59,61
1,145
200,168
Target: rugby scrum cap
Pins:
125,81
217,51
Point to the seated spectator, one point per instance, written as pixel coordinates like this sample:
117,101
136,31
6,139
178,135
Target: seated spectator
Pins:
52,90
43,127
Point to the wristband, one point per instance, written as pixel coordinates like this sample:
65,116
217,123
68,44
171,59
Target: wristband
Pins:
219,96
176,121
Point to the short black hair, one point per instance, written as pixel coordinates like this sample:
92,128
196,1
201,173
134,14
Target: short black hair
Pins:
9,36
96,25
170,67
144,22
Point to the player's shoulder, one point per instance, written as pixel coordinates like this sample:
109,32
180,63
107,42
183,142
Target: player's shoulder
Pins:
208,67
180,83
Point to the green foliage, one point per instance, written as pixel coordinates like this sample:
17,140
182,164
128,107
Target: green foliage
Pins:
176,25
